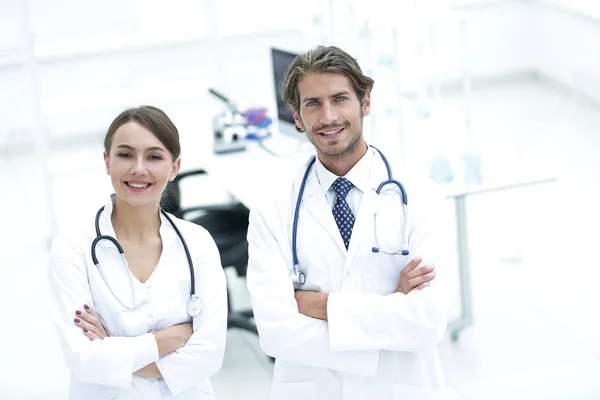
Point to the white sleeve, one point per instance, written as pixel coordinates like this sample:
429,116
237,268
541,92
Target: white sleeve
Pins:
399,322
285,333
202,356
109,362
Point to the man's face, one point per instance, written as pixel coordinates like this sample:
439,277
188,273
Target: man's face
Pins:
331,114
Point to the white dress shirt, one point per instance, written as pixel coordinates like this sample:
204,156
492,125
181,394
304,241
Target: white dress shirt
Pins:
103,369
358,176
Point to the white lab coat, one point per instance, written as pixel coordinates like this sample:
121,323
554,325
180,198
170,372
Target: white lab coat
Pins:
102,369
375,345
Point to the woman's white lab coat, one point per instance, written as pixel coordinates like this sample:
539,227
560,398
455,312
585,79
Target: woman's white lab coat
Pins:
375,345
103,369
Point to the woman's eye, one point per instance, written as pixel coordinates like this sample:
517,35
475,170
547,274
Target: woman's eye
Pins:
155,157
125,155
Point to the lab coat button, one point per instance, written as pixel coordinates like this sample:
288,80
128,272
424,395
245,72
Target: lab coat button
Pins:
150,315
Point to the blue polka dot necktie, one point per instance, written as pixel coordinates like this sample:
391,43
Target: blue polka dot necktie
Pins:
341,210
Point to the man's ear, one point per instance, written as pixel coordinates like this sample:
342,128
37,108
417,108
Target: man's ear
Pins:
366,104
297,120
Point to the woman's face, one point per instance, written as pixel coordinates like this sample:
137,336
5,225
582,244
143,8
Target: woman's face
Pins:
139,165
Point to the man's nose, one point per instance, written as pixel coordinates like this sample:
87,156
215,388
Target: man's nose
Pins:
328,114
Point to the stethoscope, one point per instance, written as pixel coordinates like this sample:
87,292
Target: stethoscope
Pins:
299,277
194,305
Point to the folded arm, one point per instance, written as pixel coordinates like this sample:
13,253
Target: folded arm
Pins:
285,333
202,355
167,340
109,362
407,320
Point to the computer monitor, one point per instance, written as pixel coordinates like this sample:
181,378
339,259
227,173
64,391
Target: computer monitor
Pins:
281,60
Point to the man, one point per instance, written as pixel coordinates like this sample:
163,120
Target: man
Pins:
364,324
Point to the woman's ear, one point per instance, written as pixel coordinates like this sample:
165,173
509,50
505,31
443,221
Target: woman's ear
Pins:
107,163
175,169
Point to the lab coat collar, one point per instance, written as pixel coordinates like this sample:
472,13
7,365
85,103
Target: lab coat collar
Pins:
315,201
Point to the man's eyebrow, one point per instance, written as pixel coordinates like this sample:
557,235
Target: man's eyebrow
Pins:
341,93
307,99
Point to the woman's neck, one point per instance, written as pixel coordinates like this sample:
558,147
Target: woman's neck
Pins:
135,223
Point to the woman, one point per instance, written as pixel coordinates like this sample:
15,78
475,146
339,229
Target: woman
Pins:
129,327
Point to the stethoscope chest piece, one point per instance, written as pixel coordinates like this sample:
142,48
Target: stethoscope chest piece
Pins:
298,278
194,306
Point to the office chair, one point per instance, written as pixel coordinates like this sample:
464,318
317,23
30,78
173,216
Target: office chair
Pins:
228,225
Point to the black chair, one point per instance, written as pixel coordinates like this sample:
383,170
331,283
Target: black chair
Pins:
228,225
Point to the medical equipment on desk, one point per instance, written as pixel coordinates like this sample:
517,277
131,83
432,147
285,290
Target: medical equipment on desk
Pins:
229,127
299,277
258,124
194,305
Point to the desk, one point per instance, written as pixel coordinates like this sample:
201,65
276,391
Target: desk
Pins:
245,175
459,196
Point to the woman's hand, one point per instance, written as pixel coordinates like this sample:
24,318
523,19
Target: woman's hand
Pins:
89,322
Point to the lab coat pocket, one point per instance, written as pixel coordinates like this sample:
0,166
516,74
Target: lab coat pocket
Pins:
404,391
293,391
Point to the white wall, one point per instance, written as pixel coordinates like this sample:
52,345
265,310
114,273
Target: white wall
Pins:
558,39
83,90
569,48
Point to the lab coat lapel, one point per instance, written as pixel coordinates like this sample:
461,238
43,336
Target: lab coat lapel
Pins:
363,225
315,203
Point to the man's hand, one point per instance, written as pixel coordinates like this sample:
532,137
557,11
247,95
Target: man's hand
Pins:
312,304
413,278
89,322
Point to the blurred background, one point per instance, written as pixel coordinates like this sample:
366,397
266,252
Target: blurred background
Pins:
497,101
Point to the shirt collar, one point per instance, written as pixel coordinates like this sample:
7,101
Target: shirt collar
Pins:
358,175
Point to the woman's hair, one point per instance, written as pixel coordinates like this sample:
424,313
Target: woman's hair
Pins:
152,118
323,59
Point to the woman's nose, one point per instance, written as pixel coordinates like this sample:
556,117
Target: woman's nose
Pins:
139,167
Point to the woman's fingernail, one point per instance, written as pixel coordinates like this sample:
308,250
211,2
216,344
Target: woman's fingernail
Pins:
85,330
86,306
77,320
78,312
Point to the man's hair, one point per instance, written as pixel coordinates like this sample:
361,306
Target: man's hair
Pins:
322,59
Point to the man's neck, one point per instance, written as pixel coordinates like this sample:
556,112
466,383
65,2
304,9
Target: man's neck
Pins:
341,165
